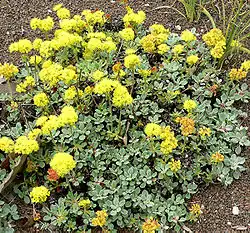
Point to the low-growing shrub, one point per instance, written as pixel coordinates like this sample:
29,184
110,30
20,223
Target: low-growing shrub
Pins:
119,127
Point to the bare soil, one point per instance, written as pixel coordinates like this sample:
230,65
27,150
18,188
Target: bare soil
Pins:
218,201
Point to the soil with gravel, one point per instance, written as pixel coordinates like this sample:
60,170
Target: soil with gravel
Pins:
217,201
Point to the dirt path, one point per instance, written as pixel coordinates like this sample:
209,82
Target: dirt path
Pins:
218,202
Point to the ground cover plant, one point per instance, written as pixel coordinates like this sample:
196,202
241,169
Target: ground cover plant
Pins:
117,127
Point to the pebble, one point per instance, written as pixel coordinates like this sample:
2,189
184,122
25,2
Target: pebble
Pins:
236,210
178,27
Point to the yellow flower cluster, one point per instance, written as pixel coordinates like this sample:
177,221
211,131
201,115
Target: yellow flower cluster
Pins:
132,18
175,165
33,134
154,42
131,61
98,75
61,12
8,70
178,49
53,73
121,97
76,24
169,142
28,82
217,157
195,210
145,73
127,34
130,51
25,146
153,129
93,18
84,203
6,145
22,46
204,131
187,125
150,226
39,194
192,59
37,43
62,163
100,219
42,24
189,105
245,65
105,86
217,41
68,116
70,94
35,60
41,99
237,74
187,36
96,44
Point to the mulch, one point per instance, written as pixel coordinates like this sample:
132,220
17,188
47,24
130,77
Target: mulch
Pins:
218,201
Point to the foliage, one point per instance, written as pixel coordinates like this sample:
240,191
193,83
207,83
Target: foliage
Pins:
128,124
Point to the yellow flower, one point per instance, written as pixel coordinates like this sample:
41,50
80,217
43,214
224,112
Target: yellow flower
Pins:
41,120
217,157
41,100
187,125
121,97
63,13
131,61
152,129
100,219
170,142
98,75
42,24
237,74
245,65
68,116
127,34
192,59
187,36
70,94
133,18
57,7
189,105
213,37
93,18
35,60
52,123
62,163
84,203
175,165
22,46
105,86
25,145
150,226
6,145
130,51
163,48
148,43
34,133
37,43
195,210
218,50
88,90
204,131
178,49
157,29
39,194
8,70
144,73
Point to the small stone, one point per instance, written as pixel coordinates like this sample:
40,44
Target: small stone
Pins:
236,210
178,27
146,4
229,223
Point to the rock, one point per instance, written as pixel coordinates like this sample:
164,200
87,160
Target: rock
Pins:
236,210
178,27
